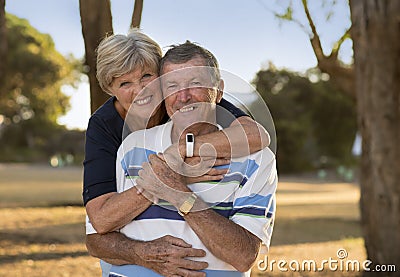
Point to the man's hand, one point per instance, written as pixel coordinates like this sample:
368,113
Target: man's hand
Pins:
168,256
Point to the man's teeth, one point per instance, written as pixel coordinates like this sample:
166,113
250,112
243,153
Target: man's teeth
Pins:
143,101
188,109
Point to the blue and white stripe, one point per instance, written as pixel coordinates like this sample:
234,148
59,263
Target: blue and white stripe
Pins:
246,195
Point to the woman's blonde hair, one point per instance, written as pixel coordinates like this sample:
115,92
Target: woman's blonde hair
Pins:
120,54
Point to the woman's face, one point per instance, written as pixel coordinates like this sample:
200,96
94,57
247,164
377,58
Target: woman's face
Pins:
128,89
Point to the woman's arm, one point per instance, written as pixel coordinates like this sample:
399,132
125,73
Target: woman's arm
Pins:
165,255
107,209
227,240
243,137
112,211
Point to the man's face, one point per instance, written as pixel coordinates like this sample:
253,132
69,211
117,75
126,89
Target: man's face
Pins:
189,92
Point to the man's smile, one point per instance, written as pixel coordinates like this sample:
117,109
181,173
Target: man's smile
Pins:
188,108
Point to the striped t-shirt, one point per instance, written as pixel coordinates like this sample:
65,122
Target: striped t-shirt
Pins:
246,195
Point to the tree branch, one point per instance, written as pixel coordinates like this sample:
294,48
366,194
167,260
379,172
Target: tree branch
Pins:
315,41
342,76
137,14
338,44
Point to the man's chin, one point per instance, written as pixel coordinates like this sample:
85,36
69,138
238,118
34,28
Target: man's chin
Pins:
184,121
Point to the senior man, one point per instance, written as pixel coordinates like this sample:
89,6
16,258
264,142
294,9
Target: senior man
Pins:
228,219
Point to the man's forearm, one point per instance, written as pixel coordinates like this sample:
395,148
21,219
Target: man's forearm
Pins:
113,247
224,238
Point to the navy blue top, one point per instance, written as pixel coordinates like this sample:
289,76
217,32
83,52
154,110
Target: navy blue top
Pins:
103,138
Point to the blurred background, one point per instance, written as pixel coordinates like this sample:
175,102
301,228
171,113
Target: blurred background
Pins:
298,55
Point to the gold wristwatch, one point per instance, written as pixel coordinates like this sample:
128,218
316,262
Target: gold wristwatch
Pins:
185,208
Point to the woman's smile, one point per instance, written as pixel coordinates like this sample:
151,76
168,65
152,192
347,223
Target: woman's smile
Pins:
143,101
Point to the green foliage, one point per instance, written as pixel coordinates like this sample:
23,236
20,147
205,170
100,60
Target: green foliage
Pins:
31,97
288,15
315,123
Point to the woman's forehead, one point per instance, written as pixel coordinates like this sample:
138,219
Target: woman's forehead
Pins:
138,72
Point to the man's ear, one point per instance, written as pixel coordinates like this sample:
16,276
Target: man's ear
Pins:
220,91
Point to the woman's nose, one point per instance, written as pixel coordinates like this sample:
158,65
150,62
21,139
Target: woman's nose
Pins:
137,88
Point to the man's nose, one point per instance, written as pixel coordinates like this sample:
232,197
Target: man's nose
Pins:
184,95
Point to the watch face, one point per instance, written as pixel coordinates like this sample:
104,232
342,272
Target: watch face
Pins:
189,137
188,204
186,208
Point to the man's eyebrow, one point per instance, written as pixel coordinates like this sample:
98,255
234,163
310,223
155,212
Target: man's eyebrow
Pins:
168,81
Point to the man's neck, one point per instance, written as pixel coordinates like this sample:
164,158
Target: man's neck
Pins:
156,118
197,129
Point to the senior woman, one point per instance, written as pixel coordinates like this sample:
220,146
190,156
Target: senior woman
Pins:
125,65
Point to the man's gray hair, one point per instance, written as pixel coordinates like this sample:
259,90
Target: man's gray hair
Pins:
187,51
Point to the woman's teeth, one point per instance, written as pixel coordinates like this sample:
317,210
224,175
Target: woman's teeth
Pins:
143,101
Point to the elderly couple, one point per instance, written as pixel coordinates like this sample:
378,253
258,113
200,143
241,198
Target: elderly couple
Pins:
155,206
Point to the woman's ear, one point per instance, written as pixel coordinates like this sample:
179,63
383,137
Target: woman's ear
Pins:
220,91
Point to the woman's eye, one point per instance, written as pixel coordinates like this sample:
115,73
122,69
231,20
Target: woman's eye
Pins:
123,84
146,76
195,84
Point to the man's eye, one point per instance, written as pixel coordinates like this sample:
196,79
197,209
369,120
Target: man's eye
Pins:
171,86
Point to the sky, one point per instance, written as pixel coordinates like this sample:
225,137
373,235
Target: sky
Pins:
245,36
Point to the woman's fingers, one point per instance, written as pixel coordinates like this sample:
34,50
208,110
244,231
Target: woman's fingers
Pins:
218,171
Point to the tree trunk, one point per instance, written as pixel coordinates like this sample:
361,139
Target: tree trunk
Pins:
3,45
96,24
376,39
137,14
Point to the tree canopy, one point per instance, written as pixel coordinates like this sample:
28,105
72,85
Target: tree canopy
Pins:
31,97
315,121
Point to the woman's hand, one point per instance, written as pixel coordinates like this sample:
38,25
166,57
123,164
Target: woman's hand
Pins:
203,165
195,166
157,180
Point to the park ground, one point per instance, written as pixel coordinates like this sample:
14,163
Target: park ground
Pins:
42,226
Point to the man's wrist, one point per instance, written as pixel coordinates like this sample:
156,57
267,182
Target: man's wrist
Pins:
187,205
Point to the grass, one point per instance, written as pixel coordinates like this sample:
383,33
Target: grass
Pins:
42,226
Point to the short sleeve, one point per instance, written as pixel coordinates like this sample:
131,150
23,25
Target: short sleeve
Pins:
100,155
227,113
89,227
254,202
